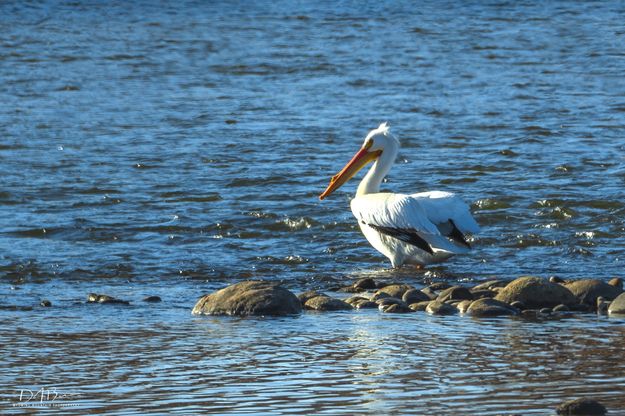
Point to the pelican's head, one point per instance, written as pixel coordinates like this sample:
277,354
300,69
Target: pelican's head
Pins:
372,148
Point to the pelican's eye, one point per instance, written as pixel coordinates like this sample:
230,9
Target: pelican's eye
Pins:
368,144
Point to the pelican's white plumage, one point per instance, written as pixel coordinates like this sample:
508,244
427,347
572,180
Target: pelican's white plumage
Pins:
419,229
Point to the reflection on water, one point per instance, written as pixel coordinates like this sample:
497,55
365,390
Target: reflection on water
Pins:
140,359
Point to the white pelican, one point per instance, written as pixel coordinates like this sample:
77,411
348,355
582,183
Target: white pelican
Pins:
417,229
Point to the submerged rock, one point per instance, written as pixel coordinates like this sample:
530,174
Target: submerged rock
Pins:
152,299
588,290
252,297
617,307
45,303
584,406
105,299
490,307
440,308
326,303
534,292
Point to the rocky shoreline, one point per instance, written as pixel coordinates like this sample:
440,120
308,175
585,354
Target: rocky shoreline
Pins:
526,296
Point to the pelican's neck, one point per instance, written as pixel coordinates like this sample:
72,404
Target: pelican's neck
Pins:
370,184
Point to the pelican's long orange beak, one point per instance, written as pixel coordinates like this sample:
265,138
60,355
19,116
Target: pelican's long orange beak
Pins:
359,160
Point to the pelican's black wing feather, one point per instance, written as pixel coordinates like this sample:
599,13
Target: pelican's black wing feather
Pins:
405,235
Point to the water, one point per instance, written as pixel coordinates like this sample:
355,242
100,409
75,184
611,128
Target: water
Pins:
171,149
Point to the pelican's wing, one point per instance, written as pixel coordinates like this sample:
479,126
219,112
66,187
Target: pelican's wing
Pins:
402,217
430,220
449,213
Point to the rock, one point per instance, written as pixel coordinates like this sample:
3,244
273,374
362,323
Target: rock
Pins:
420,306
483,293
556,279
584,406
561,308
602,306
440,308
365,284
379,295
251,297
616,282
152,299
489,285
309,294
365,304
353,300
490,307
45,303
432,294
396,290
347,289
617,307
588,290
536,293
581,307
414,296
455,293
518,304
438,286
463,306
105,299
326,303
546,311
396,308
390,301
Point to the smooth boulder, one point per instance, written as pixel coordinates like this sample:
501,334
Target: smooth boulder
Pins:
617,306
588,290
252,297
326,303
535,292
486,307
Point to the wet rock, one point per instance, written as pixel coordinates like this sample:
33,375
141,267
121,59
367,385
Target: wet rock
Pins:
152,299
379,295
347,289
490,307
483,293
353,300
414,296
396,290
616,282
326,303
536,293
309,294
420,306
530,313
440,308
556,279
584,406
251,297
105,299
396,308
463,306
365,304
602,306
455,293
561,308
365,284
489,285
390,301
518,304
438,286
588,290
546,311
432,294
45,303
617,307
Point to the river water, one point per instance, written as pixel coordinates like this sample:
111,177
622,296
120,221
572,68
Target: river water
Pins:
172,148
